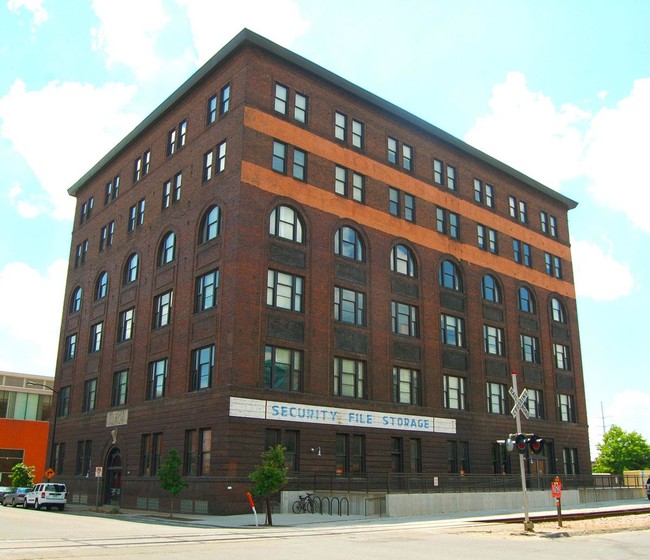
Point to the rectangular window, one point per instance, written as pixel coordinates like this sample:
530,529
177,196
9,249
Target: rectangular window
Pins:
300,108
358,187
341,181
496,398
518,209
282,368
208,163
212,109
90,395
561,356
150,454
350,454
437,172
493,340
451,178
125,325
224,102
396,455
178,183
207,291
279,157
458,457
349,378
80,253
415,455
70,350
529,349
489,196
176,138
566,408
409,207
447,223
500,459
340,126
84,457
281,99
137,169
407,157
479,194
162,308
392,150
284,290
221,157
63,402
349,306
357,134
535,404
454,392
452,330
120,386
198,449
112,190
523,212
157,379
202,368
404,319
487,239
299,165
95,344
393,201
543,219
553,265
553,226
570,460
406,386
102,238
136,215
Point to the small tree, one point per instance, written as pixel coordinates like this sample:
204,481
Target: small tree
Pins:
22,475
170,477
622,451
270,477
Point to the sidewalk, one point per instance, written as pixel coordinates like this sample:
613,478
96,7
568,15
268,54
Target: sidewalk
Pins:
283,520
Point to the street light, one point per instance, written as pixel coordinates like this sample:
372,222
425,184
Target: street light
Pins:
56,404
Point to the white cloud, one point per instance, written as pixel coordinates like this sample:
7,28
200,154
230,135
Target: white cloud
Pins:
617,153
279,21
598,275
35,7
61,131
526,130
31,305
25,208
555,144
128,32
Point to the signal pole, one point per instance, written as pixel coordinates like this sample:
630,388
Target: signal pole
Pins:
520,406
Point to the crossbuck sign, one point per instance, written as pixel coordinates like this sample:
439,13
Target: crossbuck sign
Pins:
520,402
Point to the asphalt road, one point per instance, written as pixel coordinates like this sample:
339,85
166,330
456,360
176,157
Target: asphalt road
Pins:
29,534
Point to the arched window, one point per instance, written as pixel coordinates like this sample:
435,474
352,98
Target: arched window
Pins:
558,311
75,300
403,261
526,300
348,244
101,286
286,223
449,276
167,249
490,290
131,269
210,224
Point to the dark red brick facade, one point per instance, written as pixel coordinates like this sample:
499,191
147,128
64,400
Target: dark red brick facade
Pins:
242,324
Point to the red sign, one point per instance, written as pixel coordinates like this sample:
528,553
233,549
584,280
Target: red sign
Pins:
556,488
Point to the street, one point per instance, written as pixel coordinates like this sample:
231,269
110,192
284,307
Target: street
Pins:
29,534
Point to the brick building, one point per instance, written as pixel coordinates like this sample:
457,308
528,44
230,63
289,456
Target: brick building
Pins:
277,255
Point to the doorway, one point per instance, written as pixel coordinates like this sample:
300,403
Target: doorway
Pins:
113,487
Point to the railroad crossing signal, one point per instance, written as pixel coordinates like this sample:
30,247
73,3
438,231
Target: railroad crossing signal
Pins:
521,403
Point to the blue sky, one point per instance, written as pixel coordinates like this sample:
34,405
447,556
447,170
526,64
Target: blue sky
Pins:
559,90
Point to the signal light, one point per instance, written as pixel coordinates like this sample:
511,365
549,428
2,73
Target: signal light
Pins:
521,443
509,443
535,444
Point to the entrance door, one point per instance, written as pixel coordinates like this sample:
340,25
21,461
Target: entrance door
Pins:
113,486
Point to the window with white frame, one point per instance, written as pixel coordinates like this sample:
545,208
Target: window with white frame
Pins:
349,378
454,392
496,398
406,386
284,291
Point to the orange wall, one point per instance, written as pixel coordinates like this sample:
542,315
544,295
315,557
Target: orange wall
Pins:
29,435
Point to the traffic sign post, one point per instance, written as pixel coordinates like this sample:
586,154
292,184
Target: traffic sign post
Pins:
520,406
556,492
49,473
98,476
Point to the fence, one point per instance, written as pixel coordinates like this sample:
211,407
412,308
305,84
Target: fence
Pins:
451,483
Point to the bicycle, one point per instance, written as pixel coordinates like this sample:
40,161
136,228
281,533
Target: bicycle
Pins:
304,504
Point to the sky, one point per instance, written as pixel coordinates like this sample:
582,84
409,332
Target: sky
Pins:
559,90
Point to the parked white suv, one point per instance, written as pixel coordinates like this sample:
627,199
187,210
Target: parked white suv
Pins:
46,495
